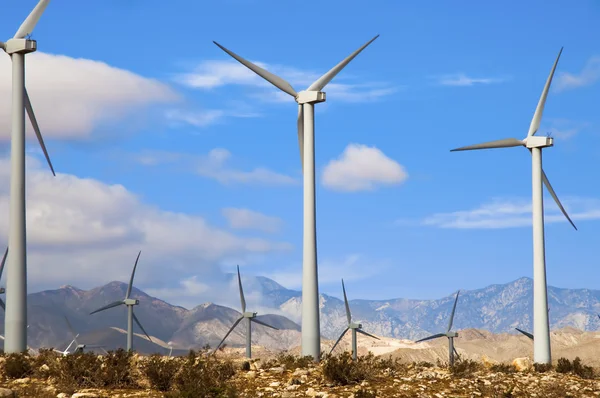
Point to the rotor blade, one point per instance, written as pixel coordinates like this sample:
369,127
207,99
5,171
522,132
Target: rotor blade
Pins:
348,315
32,19
268,76
66,351
132,275
327,77
242,299
71,330
525,333
367,334
36,128
140,325
504,143
229,332
435,336
2,304
338,340
3,261
456,352
262,323
111,305
537,116
551,190
301,134
453,311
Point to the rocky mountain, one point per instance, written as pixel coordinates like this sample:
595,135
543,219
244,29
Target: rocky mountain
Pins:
496,308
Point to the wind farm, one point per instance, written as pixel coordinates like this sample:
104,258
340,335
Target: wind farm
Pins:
183,152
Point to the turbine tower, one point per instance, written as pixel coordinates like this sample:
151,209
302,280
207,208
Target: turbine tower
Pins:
2,290
129,302
355,327
535,144
15,320
311,333
249,316
449,334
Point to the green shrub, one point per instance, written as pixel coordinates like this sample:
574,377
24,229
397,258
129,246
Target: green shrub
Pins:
503,368
293,362
160,371
116,372
343,370
583,371
75,371
18,366
465,368
542,367
564,366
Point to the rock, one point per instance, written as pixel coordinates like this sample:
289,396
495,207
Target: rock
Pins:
84,394
250,374
6,392
22,381
62,395
522,364
300,372
278,370
275,384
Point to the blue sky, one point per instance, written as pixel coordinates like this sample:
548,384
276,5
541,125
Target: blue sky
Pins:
168,145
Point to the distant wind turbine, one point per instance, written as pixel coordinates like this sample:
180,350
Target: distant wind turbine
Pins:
78,347
541,327
311,331
15,319
129,302
249,316
355,327
449,334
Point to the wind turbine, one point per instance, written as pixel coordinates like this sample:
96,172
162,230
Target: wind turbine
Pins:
355,327
15,319
541,327
249,316
2,290
78,347
311,334
129,302
450,335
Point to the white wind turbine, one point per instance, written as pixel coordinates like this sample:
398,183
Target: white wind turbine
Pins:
355,327
16,282
541,327
311,334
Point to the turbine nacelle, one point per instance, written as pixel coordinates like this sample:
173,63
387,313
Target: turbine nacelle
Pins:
250,314
20,46
310,97
452,334
538,142
354,325
130,301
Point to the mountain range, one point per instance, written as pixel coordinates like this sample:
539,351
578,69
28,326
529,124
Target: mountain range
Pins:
496,308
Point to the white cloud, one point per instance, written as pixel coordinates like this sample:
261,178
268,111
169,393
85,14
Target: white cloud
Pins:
248,219
72,96
211,74
512,213
362,168
564,128
214,166
460,79
589,75
86,233
196,119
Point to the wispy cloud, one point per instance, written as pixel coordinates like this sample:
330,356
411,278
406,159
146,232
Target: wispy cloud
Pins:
589,75
249,219
206,117
512,213
565,128
214,165
212,74
462,80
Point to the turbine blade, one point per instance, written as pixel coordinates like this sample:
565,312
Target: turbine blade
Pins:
129,287
268,76
301,134
71,330
338,340
453,311
36,128
435,336
3,261
551,190
111,305
504,143
228,333
525,333
456,352
2,304
242,299
327,77
367,334
537,116
262,323
140,325
348,315
32,19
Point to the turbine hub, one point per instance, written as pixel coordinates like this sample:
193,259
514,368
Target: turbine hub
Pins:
538,142
310,97
131,301
20,46
451,334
